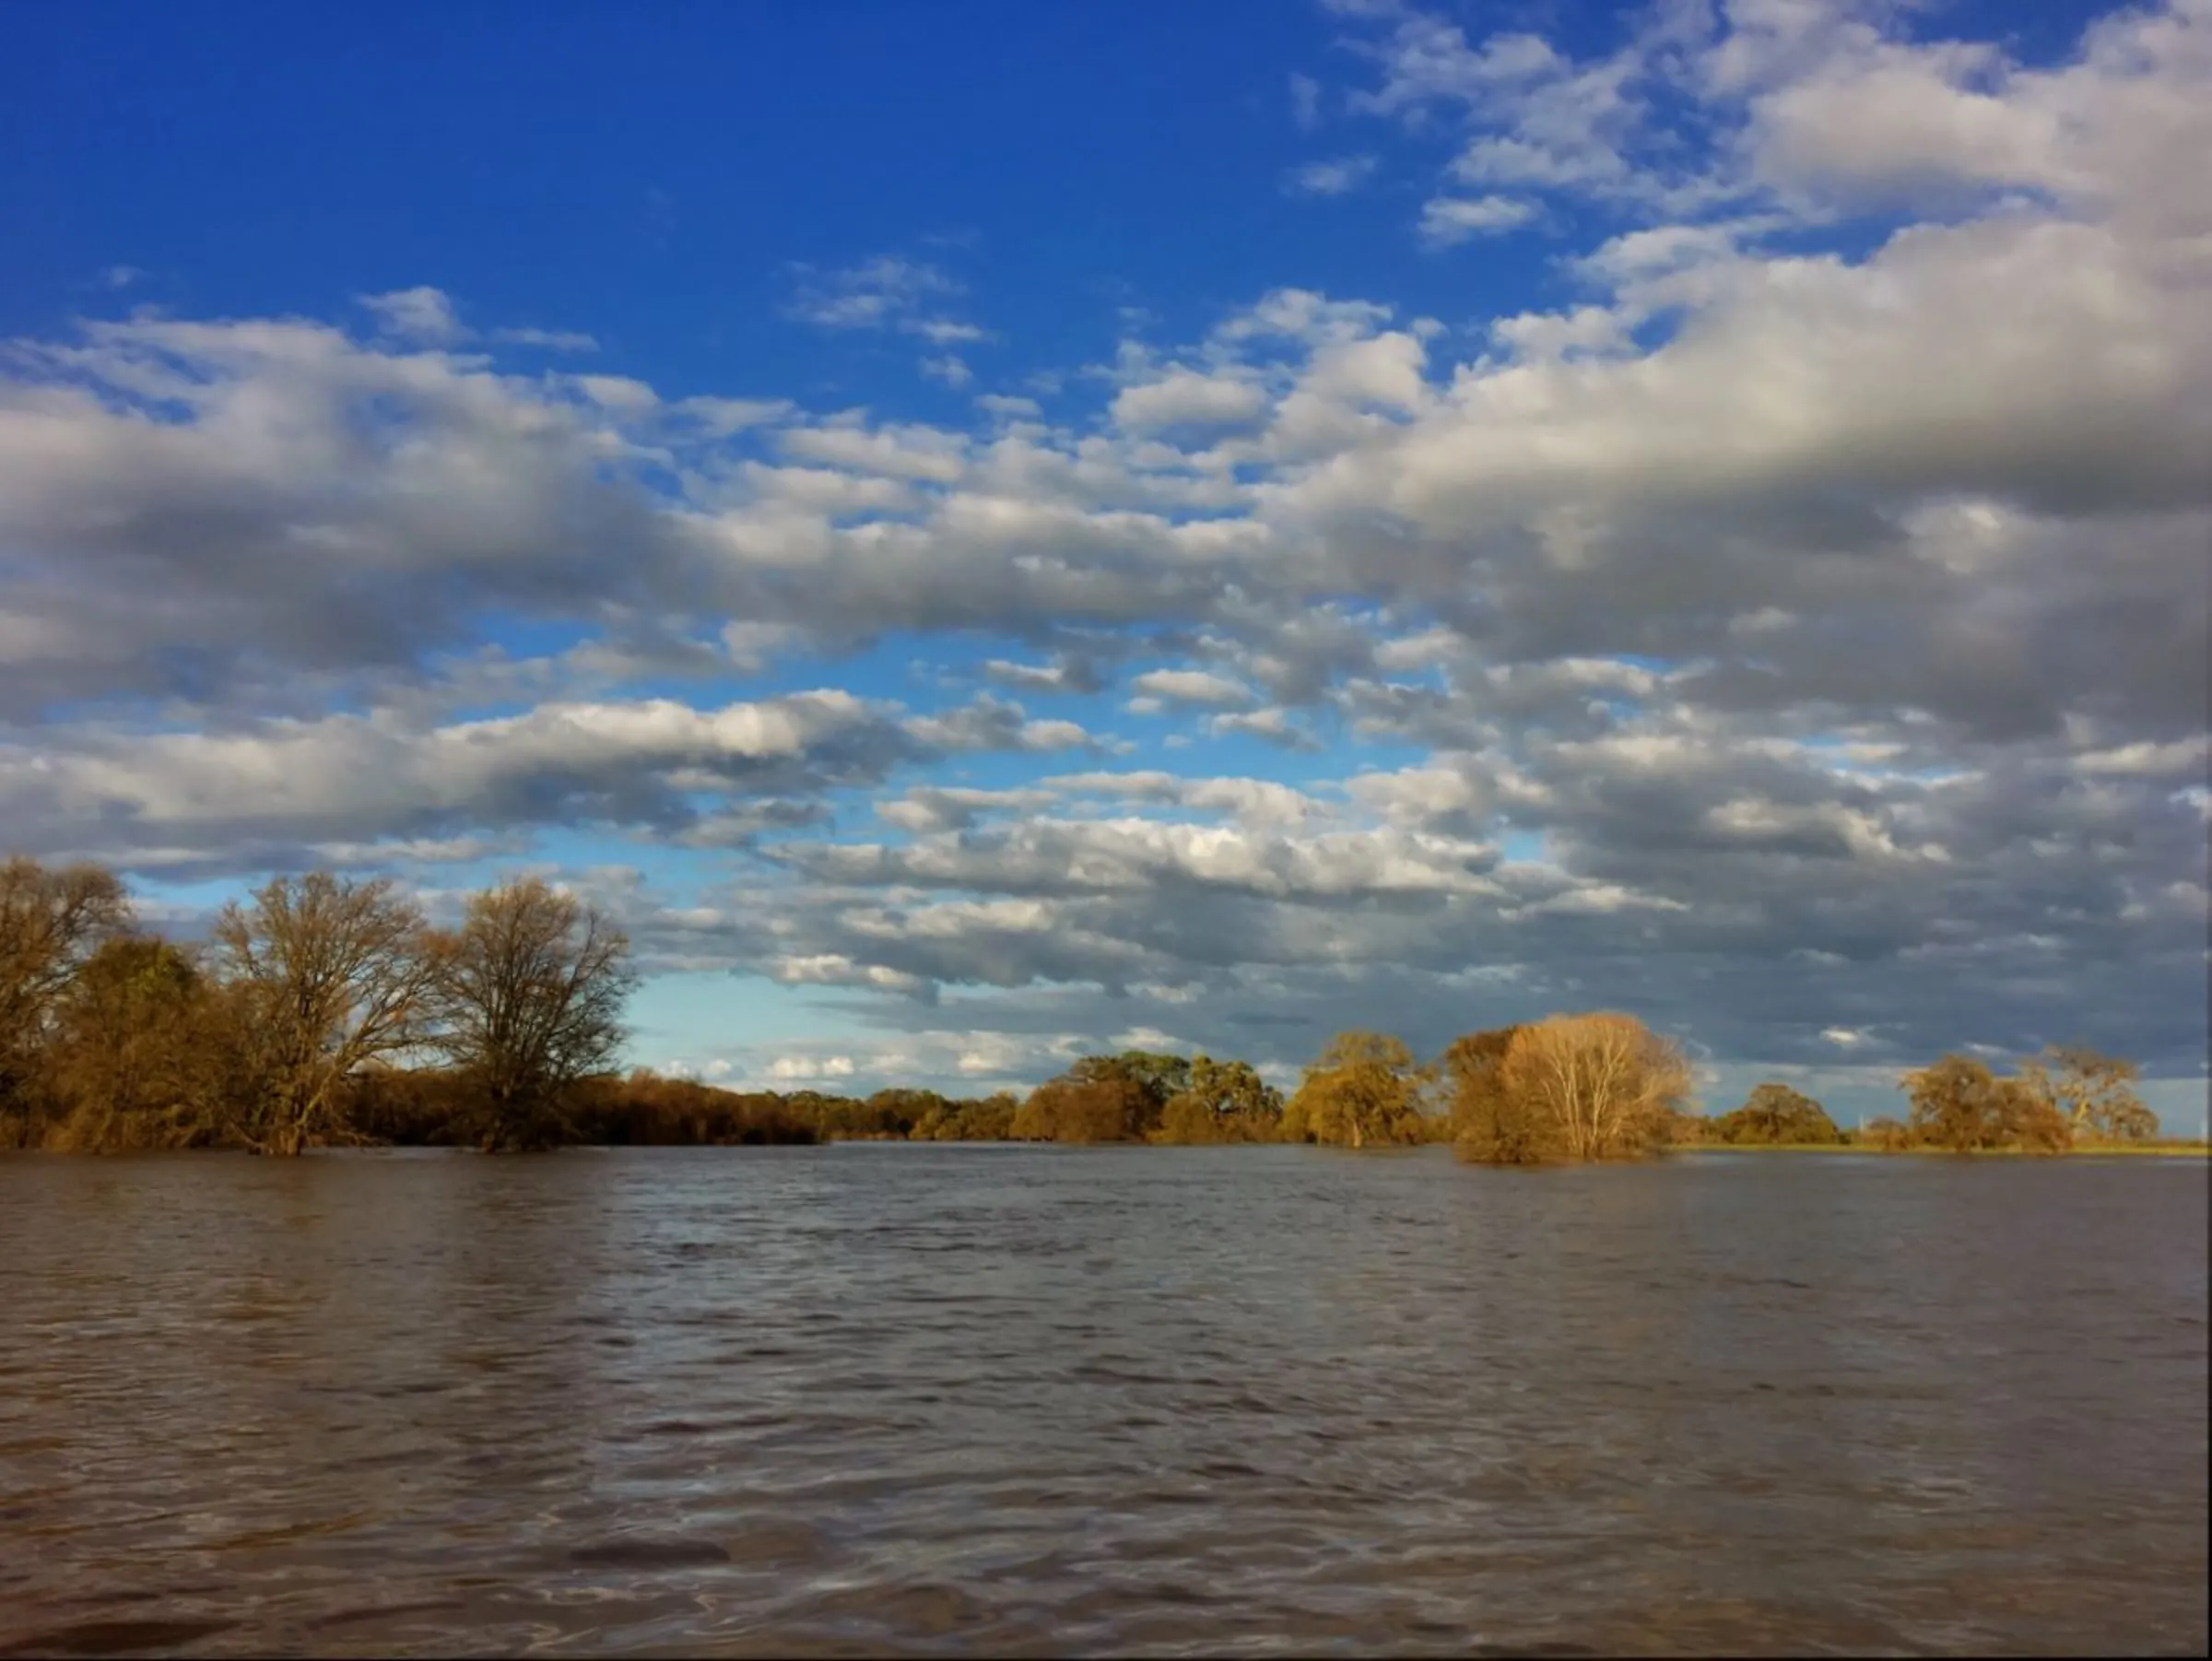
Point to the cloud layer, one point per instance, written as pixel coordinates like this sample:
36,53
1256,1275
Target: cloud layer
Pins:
1797,633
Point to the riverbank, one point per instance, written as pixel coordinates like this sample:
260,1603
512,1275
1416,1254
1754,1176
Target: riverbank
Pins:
2168,1150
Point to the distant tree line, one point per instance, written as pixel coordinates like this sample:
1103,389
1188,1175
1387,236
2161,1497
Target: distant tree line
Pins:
327,1011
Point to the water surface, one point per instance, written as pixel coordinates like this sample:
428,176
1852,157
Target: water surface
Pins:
913,1399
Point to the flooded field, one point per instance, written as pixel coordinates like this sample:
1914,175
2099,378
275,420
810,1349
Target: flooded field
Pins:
866,1399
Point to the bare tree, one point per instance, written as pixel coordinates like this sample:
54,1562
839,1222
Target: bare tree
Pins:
2094,1093
333,974
50,924
1603,1084
532,993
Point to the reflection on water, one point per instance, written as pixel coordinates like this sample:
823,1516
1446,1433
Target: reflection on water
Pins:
955,1400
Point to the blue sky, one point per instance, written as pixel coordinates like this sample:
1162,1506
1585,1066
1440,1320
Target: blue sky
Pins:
986,531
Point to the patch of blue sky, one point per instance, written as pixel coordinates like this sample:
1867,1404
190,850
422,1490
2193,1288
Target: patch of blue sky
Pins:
677,1019
1525,847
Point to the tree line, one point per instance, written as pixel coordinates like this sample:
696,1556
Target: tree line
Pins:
326,1010
315,992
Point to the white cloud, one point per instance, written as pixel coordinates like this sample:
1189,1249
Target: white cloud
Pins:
1192,685
949,368
1183,397
1447,221
884,292
1796,630
1334,178
420,316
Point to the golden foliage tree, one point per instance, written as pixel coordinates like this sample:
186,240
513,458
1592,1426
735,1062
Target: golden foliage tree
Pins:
1959,1105
1489,1122
531,991
2094,1093
1775,1115
1107,1108
331,974
1222,1101
1593,1087
1364,1088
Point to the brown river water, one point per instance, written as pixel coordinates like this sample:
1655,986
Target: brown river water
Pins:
982,1400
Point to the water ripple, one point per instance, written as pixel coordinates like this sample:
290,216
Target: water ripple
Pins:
938,1401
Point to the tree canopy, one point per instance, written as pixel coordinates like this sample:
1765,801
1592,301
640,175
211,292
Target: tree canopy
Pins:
1364,1088
1775,1115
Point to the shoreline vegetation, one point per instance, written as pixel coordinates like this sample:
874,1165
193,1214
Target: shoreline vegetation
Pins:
326,1012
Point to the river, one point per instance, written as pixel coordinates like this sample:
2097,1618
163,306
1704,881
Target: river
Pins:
975,1400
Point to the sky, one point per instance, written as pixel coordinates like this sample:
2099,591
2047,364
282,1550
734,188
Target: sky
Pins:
986,532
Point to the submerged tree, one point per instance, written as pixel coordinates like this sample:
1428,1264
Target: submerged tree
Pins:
1222,1101
52,921
1594,1087
1959,1105
1775,1115
531,992
145,1052
1363,1089
2095,1094
1102,1099
330,974
1104,1108
1490,1122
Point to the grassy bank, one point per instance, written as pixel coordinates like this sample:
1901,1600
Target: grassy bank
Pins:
2130,1150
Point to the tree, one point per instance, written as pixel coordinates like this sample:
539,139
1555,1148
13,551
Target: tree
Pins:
144,1053
2093,1093
1102,1099
1885,1134
1776,1114
1222,1101
1108,1107
1600,1085
1490,1122
51,923
531,992
1363,1087
331,974
1959,1105
988,1120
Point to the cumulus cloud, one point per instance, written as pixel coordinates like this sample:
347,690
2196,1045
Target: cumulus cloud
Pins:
1192,686
1447,221
420,316
1183,397
1797,633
